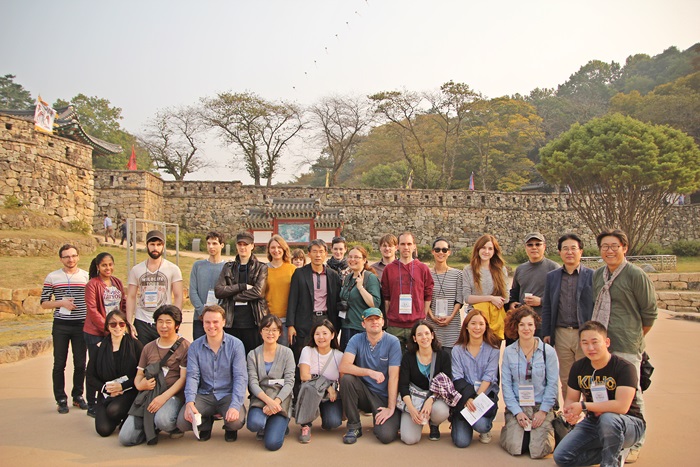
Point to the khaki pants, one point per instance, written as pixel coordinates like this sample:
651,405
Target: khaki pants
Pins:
568,351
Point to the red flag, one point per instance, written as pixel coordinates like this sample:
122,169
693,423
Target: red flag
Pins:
132,160
471,182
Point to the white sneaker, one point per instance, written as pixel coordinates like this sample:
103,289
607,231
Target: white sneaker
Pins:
485,437
632,457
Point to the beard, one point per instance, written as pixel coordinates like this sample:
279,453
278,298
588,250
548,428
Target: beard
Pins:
155,254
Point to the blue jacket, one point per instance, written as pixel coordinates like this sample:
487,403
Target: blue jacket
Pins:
550,301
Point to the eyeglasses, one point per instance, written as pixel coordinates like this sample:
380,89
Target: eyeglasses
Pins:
441,250
270,330
114,324
69,257
572,249
356,257
532,245
613,247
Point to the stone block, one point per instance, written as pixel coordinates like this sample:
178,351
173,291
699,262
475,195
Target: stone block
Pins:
18,295
32,306
35,292
5,294
9,309
679,285
665,296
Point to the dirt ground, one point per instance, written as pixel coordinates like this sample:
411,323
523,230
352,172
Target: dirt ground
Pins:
33,433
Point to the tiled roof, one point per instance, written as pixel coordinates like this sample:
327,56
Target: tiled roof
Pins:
293,208
67,125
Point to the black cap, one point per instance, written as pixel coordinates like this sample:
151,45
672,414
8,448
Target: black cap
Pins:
245,237
155,235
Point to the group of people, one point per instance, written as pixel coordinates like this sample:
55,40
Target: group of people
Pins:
338,336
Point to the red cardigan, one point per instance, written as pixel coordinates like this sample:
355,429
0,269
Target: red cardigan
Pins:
95,319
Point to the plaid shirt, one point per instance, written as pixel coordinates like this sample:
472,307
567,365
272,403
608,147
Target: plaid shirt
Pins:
443,387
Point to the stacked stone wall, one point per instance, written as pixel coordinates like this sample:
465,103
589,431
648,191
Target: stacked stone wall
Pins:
461,216
46,173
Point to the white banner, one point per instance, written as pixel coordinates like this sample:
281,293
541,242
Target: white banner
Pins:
44,116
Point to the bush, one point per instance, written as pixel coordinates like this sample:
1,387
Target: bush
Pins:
79,226
591,251
186,241
654,249
12,202
686,248
424,252
365,245
463,255
520,255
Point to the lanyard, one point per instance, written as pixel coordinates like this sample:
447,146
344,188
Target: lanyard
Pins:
410,275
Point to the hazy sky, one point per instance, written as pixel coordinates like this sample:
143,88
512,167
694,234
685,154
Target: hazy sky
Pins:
146,55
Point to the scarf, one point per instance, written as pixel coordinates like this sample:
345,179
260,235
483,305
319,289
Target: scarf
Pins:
601,310
337,265
107,368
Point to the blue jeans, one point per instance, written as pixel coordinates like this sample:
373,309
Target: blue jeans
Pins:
331,414
274,426
165,419
599,442
636,360
462,431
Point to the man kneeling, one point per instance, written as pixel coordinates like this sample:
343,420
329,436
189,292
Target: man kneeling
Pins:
217,378
613,422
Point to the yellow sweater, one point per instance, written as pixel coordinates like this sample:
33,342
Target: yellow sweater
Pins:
278,282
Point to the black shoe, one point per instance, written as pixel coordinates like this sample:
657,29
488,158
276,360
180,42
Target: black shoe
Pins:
260,435
80,402
204,435
176,434
152,442
231,436
434,433
351,436
91,412
62,406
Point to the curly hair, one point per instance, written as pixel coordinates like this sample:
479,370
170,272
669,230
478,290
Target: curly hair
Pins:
514,317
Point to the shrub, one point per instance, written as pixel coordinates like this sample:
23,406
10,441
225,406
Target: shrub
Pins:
365,245
654,249
12,202
591,251
186,240
424,252
463,255
520,255
79,226
686,248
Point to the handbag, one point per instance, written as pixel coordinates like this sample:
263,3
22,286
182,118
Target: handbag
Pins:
418,395
561,427
645,372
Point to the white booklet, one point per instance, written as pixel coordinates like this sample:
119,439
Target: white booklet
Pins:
482,404
196,421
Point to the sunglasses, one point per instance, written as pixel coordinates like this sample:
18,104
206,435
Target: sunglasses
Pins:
441,250
114,324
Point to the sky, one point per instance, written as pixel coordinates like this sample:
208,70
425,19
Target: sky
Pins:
147,55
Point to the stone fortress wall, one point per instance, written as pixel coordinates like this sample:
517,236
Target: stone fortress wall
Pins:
460,216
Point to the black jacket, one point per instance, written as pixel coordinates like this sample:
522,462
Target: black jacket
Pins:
300,307
228,288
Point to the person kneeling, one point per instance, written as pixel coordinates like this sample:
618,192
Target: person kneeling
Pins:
216,379
613,421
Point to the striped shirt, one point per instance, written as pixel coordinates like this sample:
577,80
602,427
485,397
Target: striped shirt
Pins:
59,285
448,286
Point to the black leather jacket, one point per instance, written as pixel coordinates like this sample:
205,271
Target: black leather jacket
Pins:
228,288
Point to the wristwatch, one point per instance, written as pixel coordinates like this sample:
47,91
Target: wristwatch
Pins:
583,406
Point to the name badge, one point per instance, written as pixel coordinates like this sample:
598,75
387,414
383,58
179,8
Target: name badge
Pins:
241,303
405,304
526,395
599,393
441,310
211,298
275,382
342,314
165,370
150,297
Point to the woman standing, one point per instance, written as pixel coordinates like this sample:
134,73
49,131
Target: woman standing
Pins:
475,372
319,373
104,293
112,371
270,383
360,290
279,278
447,296
530,387
484,281
423,359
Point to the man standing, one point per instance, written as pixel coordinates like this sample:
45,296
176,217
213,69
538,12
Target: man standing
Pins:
241,285
217,378
337,261
625,304
151,285
64,291
530,277
370,381
387,247
109,229
407,288
613,421
567,303
313,296
203,277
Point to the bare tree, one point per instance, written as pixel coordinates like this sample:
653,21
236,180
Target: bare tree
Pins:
172,139
260,129
340,122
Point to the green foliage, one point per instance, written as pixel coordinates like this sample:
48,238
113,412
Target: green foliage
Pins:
622,173
591,251
12,202
425,252
463,255
366,245
13,96
686,248
186,240
520,255
79,226
654,249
